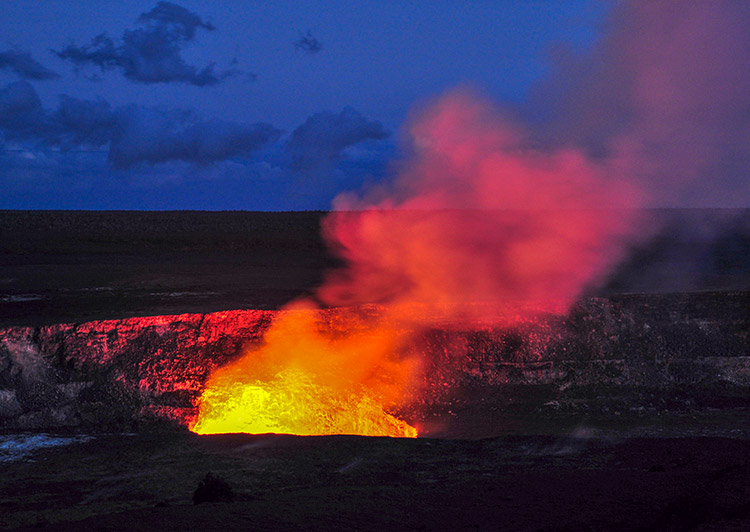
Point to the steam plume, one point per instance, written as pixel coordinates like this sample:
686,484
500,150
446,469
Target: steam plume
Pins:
476,216
479,216
665,95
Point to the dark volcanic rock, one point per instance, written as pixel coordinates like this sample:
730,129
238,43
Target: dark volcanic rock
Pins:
620,354
116,373
213,489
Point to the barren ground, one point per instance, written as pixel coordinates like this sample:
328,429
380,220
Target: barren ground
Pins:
587,480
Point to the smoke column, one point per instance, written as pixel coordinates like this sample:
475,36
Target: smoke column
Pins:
489,221
664,96
479,216
477,227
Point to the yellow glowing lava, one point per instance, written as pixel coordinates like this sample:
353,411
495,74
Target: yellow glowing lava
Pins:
292,404
310,382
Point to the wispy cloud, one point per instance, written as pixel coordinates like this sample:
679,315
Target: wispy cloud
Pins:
664,96
132,134
25,66
151,53
308,43
153,136
319,142
139,136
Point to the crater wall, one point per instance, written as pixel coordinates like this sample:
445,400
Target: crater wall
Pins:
623,353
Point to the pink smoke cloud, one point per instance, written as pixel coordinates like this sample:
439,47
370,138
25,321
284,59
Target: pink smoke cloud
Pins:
478,216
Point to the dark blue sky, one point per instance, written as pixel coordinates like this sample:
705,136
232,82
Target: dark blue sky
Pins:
262,105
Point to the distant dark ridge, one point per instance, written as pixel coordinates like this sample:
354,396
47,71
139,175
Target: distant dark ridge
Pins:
68,266
117,231
62,266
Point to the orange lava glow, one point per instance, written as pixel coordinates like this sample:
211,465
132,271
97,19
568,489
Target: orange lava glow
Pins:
477,227
308,380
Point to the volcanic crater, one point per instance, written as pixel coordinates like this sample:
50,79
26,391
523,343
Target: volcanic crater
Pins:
640,391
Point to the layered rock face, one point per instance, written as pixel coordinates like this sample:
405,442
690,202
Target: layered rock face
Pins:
115,374
617,354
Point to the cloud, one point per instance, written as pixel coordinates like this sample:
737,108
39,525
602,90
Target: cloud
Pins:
74,124
176,18
21,113
319,142
152,53
308,43
133,134
89,145
80,123
664,95
25,66
155,136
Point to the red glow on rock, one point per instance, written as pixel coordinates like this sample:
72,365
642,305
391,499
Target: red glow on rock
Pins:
477,228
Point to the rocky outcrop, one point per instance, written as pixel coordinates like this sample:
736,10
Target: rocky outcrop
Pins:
116,374
621,354
625,352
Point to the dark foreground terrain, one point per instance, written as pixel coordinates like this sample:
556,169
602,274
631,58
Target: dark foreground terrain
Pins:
587,480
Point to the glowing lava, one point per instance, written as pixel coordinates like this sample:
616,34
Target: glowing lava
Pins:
310,381
478,215
293,404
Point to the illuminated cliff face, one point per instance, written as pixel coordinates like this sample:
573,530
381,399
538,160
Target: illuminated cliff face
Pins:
116,373
613,354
